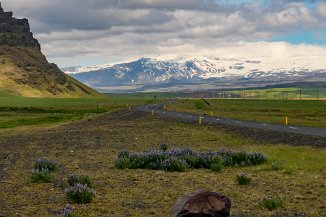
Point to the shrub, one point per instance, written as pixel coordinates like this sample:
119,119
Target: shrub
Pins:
271,203
256,158
243,179
80,193
216,164
85,180
179,159
123,154
277,166
199,104
41,176
164,147
123,163
45,164
67,211
174,165
194,162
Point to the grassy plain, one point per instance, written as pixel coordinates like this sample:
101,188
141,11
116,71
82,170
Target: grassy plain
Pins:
19,111
302,113
314,93
91,146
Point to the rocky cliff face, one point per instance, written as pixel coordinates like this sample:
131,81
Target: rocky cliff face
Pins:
24,70
15,32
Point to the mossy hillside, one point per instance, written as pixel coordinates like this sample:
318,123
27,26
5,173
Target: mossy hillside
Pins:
25,71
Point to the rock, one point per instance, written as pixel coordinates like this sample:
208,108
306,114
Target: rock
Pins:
202,203
15,32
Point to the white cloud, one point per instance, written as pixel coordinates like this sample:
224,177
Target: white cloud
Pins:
111,29
321,9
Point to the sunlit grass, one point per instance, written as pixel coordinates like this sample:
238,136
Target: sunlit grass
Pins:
22,111
301,113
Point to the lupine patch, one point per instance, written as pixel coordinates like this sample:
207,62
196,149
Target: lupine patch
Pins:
180,159
41,176
67,211
82,179
45,164
79,193
243,179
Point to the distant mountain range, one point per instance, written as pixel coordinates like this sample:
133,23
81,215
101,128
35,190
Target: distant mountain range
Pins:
200,73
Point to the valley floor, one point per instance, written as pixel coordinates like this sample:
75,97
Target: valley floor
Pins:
91,146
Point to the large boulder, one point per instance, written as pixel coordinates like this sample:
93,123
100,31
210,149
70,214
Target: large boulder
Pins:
202,203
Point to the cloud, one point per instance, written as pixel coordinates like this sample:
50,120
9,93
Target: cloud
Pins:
135,28
321,9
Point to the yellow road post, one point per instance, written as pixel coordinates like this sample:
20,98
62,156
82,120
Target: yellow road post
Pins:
200,120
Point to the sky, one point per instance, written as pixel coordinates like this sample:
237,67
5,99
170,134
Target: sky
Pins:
92,32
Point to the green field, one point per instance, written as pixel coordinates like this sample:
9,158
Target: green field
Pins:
290,93
302,113
20,111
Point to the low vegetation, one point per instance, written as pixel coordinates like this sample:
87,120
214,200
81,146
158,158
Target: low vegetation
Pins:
79,193
82,179
45,164
243,179
180,159
271,203
145,192
302,113
43,170
21,111
276,166
68,211
42,176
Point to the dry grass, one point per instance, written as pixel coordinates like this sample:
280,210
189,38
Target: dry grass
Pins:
301,184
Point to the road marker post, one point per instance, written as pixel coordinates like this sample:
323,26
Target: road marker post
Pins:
152,112
212,113
286,120
200,120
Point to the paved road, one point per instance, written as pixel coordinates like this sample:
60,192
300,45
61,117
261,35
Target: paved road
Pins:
158,110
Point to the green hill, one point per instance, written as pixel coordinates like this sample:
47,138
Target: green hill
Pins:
24,70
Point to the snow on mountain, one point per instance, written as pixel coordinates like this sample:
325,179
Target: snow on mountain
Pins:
151,71
80,69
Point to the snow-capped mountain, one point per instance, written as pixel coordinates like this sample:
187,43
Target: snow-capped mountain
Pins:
154,72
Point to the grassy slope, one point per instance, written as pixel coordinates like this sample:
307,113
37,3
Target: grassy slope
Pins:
140,193
25,71
304,113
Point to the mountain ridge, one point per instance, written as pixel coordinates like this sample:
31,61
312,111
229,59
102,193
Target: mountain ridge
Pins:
199,70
